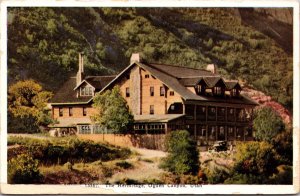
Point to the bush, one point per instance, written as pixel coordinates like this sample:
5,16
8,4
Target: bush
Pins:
183,156
60,151
238,178
283,144
255,158
23,170
284,175
216,175
124,165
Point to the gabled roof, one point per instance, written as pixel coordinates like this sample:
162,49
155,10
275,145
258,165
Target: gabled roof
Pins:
177,78
67,95
182,72
232,84
98,82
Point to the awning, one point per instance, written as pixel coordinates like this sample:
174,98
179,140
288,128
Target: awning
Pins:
156,118
71,122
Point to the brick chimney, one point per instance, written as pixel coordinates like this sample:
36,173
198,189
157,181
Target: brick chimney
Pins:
80,73
135,57
212,68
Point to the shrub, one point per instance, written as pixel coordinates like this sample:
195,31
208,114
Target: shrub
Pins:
284,175
238,178
124,165
69,166
127,181
283,144
256,158
23,170
216,175
183,156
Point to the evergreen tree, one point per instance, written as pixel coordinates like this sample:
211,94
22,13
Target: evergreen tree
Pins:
267,124
183,157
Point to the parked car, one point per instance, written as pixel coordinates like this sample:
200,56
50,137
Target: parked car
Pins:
219,146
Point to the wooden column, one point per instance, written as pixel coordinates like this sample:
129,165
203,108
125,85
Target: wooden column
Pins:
206,134
206,113
226,119
225,130
166,128
195,120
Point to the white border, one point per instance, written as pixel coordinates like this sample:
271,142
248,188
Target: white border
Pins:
210,189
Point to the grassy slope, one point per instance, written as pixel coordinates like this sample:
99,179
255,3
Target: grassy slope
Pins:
187,37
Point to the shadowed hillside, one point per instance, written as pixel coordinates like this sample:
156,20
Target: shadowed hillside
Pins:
253,45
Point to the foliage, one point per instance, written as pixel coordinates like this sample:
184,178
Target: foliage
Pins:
238,178
255,158
124,165
113,111
181,36
216,175
283,176
23,170
267,124
183,156
283,144
27,106
69,150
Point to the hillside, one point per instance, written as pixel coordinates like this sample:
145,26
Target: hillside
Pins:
253,45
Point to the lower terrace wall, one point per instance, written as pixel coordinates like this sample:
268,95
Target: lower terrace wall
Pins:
149,141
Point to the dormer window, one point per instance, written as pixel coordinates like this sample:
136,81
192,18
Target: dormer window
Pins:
86,91
235,92
200,89
218,90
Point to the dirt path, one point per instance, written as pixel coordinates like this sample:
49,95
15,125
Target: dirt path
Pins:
145,166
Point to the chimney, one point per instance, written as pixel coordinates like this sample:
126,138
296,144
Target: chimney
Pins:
212,68
135,57
80,73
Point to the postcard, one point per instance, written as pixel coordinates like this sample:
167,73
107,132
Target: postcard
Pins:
169,97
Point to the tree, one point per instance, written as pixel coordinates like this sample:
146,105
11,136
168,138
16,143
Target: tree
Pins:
283,144
183,157
113,111
23,170
255,163
27,106
267,124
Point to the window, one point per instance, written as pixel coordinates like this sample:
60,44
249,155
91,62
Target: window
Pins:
84,111
200,89
172,107
86,91
162,91
147,76
60,111
127,92
151,109
151,91
70,111
218,90
171,93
